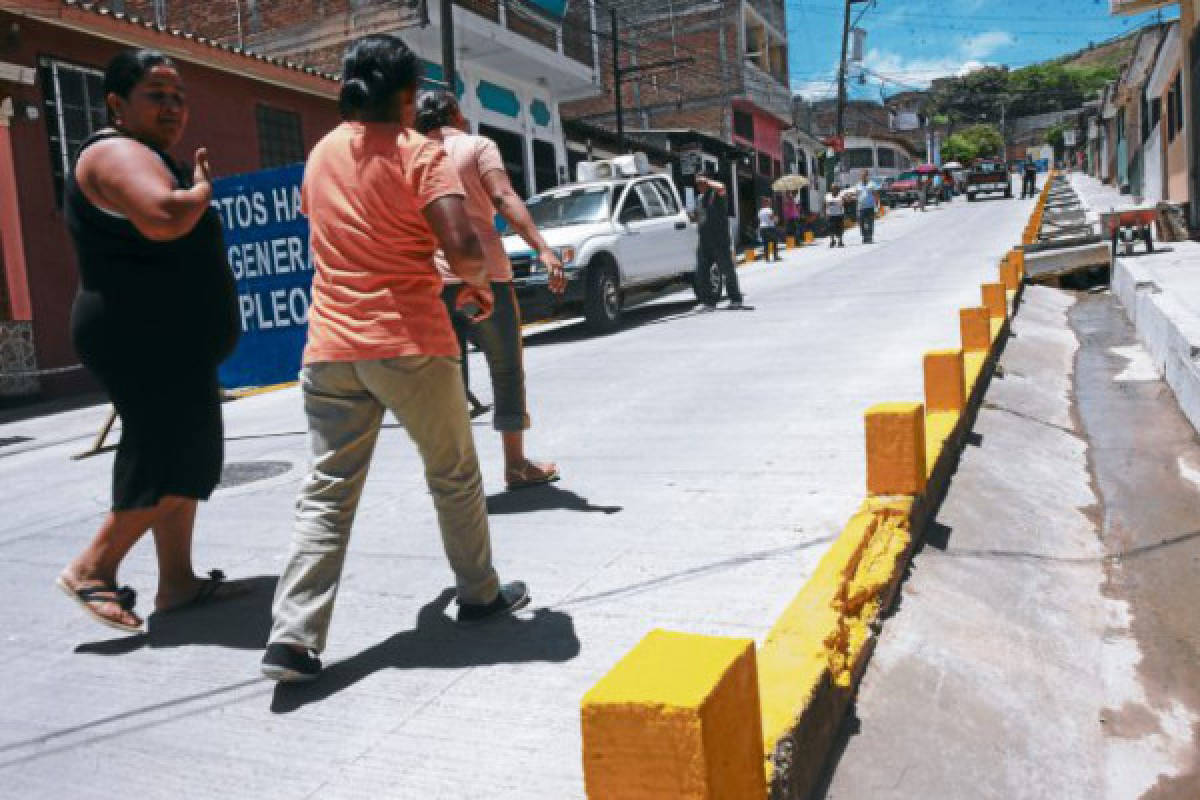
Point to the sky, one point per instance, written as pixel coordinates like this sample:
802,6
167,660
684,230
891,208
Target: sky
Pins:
910,42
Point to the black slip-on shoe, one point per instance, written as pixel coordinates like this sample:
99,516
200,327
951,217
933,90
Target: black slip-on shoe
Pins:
511,597
288,665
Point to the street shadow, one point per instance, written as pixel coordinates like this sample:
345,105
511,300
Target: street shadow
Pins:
851,726
650,314
239,623
937,536
973,439
1143,254
437,642
546,497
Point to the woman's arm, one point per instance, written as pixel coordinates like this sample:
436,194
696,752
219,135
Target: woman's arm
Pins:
509,205
447,216
129,178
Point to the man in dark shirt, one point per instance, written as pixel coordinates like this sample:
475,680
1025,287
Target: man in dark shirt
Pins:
1029,181
712,213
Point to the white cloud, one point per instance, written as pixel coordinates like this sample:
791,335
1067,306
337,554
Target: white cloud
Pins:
971,53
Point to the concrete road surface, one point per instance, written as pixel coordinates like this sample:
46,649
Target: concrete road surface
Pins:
707,459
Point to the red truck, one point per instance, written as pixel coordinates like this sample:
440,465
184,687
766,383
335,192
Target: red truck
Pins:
988,175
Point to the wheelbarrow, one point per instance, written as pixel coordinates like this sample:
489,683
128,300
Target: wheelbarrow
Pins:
1129,225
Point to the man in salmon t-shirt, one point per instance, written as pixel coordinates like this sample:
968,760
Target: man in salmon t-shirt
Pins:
480,167
381,199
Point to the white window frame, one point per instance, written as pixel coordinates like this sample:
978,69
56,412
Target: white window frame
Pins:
60,119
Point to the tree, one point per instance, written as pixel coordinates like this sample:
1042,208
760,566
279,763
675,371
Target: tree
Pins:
984,139
1054,138
958,148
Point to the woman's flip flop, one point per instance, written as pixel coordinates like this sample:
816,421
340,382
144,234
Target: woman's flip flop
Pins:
531,475
123,596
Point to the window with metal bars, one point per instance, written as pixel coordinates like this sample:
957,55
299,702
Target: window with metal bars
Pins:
280,141
74,101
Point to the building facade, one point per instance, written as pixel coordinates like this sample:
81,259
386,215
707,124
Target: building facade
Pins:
250,112
716,68
516,60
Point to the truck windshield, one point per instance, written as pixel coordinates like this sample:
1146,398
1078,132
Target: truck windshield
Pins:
574,207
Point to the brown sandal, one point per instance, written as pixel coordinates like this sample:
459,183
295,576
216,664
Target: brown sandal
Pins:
531,475
122,596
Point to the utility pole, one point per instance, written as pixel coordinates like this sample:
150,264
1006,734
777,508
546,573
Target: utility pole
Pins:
612,16
841,99
449,75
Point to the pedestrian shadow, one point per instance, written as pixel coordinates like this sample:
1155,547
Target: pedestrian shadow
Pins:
239,623
439,643
651,313
546,497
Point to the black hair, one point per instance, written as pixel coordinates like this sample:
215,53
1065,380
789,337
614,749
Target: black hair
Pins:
128,68
374,69
436,109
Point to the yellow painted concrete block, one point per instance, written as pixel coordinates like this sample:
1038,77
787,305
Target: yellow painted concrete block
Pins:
791,242
973,362
1016,256
678,717
976,332
1010,275
808,237
751,254
896,449
994,300
944,381
938,427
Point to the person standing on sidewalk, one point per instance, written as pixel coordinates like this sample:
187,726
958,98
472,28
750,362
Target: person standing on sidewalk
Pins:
712,212
381,199
480,167
1029,179
768,231
868,200
144,231
835,210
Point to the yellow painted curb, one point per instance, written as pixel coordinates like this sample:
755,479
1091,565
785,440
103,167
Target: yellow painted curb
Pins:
678,716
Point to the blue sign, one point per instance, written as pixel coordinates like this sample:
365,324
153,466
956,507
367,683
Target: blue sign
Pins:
266,244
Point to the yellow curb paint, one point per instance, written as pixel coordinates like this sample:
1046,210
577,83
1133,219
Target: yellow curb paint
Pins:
678,716
939,425
257,390
895,449
973,362
821,633
1016,257
993,300
1010,275
974,328
996,325
944,381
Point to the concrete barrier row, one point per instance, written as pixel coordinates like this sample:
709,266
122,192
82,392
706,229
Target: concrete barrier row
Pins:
690,716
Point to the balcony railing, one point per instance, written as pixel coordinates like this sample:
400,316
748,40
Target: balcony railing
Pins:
572,41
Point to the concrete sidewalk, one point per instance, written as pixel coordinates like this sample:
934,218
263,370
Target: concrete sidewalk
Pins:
1160,292
1042,646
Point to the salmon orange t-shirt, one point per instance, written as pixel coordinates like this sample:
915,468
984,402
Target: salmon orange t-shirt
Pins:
375,292
473,157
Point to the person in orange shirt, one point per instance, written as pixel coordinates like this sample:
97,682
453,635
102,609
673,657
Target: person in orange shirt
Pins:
381,199
481,169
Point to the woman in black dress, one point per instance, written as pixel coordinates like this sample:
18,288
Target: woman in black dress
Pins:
156,313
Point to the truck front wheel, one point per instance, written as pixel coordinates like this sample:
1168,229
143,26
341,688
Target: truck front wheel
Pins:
602,298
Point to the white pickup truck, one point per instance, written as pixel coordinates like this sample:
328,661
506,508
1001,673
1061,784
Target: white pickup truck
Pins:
622,235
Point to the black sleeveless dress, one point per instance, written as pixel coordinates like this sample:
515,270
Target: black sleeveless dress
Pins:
152,321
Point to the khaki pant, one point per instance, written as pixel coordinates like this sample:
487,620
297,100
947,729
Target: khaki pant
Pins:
345,402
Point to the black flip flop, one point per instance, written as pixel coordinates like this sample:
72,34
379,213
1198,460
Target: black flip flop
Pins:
123,596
